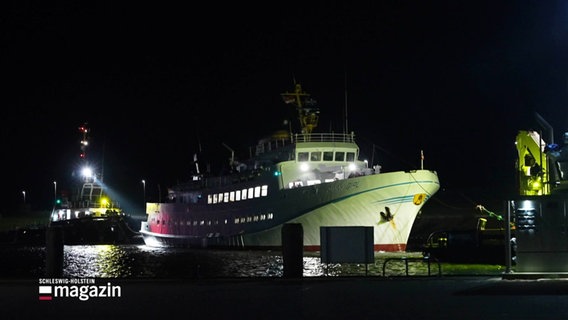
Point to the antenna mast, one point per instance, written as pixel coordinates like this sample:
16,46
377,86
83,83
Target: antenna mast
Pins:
346,129
308,112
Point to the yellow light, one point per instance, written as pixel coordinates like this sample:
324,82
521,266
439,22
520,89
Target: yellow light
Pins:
535,185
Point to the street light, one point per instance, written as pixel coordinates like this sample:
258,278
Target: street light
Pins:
54,190
144,189
24,193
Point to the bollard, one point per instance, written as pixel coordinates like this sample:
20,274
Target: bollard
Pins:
54,252
293,250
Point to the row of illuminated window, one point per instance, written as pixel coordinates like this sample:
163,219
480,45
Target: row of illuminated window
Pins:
300,183
326,156
255,218
238,195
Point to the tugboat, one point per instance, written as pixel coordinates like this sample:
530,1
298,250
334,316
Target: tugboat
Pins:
90,216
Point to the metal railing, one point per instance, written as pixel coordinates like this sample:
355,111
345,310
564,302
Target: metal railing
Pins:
424,259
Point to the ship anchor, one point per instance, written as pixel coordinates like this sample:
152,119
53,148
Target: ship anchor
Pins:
386,216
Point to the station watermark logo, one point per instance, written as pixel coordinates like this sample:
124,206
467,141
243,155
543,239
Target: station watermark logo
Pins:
82,289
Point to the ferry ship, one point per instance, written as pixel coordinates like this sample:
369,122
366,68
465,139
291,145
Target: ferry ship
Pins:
308,178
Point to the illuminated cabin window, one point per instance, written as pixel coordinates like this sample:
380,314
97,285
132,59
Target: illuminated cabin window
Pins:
295,184
237,221
195,222
270,216
264,190
202,222
188,223
249,219
315,156
303,156
350,156
208,222
328,156
312,182
216,222
255,218
340,156
262,217
226,221
244,194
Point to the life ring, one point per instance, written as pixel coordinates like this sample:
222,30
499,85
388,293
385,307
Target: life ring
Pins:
419,198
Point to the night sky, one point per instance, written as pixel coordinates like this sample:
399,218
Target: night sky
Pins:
157,83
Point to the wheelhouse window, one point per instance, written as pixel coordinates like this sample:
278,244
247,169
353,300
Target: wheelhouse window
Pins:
350,156
315,156
303,156
340,156
328,156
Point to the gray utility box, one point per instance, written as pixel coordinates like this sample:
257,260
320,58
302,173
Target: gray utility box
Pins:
541,232
347,245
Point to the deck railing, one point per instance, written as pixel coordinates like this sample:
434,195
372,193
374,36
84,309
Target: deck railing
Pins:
274,144
325,137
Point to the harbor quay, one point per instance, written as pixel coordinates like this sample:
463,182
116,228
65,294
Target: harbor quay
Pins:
356,297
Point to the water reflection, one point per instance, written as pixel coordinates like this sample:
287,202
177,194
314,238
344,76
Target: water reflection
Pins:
105,261
141,261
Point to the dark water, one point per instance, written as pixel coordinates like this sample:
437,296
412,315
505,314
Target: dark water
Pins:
141,261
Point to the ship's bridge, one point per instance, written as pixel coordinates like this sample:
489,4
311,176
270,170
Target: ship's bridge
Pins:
322,158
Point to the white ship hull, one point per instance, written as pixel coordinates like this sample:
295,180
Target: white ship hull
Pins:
352,202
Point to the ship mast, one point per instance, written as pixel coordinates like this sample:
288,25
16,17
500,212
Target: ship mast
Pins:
84,130
308,113
91,190
84,143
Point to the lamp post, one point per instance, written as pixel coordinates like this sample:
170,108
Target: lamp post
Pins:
144,189
24,194
54,191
